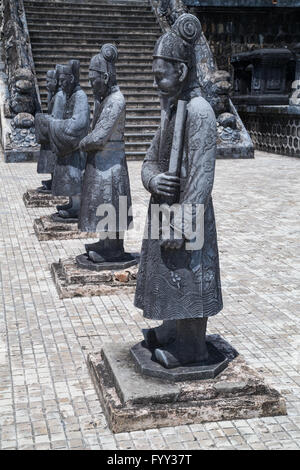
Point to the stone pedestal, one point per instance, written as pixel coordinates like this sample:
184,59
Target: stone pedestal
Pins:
73,281
34,198
47,229
16,155
132,401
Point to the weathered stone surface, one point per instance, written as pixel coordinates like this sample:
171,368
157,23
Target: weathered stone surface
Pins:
236,393
131,386
21,155
218,361
46,229
34,198
83,262
72,281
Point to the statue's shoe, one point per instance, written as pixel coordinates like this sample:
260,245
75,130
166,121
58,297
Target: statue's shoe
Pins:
43,189
170,356
68,214
96,257
104,257
64,207
47,184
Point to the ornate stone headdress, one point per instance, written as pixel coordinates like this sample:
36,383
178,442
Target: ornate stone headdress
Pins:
105,60
177,44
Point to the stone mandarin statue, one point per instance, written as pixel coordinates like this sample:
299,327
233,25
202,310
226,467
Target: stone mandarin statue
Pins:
56,102
65,135
106,174
178,285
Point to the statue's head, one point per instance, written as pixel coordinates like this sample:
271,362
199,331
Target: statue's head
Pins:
174,64
69,76
52,81
102,71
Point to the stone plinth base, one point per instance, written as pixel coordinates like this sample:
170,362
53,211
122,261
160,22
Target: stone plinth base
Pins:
132,401
16,155
72,281
34,198
219,355
47,229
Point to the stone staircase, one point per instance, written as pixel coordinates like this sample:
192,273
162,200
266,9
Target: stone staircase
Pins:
63,30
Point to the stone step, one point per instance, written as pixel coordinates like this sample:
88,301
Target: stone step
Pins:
88,22
83,14
133,118
42,37
141,138
127,85
85,49
39,42
87,29
44,54
136,146
87,6
121,68
42,67
60,31
44,60
134,156
140,129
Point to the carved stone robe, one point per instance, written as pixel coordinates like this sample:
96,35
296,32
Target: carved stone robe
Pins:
65,135
47,159
106,174
176,284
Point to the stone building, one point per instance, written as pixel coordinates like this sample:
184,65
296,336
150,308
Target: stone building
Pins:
243,35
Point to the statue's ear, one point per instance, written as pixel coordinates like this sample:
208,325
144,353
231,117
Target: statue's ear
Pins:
106,77
183,71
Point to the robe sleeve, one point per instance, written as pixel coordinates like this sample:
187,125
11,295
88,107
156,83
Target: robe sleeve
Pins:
105,124
65,134
201,136
57,111
150,166
41,122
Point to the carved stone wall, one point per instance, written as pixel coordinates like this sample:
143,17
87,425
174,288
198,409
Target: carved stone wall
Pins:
276,132
232,30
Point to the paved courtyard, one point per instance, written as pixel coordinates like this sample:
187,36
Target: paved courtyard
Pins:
47,399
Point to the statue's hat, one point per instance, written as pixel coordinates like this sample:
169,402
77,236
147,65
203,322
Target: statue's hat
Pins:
177,44
105,60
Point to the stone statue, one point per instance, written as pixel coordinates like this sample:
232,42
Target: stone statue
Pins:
176,284
64,135
56,102
106,175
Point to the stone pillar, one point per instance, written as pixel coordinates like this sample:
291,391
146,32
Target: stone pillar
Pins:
295,96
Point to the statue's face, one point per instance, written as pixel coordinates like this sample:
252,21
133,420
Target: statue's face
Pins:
66,82
99,83
51,84
168,76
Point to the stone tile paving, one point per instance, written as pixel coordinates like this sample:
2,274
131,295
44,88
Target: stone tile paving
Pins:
47,399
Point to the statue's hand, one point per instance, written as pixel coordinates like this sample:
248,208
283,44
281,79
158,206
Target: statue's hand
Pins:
164,184
82,144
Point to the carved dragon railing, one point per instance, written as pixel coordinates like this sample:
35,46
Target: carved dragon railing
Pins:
19,86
